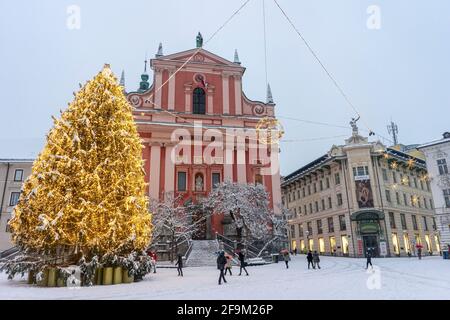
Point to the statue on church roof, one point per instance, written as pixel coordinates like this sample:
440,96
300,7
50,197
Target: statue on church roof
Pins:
199,40
354,126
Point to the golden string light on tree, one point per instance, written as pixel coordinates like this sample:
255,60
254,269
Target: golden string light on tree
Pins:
87,188
269,130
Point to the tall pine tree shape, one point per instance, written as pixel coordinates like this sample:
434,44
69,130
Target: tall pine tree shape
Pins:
87,189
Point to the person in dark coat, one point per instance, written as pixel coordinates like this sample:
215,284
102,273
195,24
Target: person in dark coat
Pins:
286,259
419,253
369,259
309,258
179,264
221,262
316,259
295,251
242,263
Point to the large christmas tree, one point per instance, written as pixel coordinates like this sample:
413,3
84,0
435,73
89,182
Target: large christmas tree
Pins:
86,193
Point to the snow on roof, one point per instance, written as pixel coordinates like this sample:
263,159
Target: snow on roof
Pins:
433,143
16,160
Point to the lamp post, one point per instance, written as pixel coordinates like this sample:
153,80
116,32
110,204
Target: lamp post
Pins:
307,239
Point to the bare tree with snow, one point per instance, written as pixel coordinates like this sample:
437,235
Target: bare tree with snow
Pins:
247,205
172,220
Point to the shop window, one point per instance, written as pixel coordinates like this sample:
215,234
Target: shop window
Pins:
321,245
344,242
395,243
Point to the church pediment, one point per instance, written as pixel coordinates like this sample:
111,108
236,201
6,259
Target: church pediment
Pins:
202,56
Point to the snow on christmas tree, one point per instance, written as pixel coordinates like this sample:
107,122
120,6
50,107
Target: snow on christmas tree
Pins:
86,195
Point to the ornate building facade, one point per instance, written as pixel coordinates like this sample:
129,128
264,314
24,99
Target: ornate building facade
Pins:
13,172
438,159
362,196
199,129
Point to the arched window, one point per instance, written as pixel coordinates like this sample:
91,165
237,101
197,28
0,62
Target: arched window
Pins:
199,101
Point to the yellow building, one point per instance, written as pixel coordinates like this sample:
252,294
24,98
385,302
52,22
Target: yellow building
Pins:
362,196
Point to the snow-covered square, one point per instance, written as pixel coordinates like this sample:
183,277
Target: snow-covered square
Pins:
338,278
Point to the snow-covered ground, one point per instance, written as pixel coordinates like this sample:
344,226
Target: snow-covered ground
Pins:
339,278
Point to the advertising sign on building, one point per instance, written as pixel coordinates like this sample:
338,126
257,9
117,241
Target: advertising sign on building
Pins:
360,247
364,194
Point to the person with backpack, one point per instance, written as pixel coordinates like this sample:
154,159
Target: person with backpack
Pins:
221,262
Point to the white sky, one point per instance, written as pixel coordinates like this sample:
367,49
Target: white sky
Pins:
399,72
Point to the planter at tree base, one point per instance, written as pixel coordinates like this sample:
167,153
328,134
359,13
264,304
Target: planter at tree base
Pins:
31,275
126,278
107,276
98,276
51,282
117,275
43,281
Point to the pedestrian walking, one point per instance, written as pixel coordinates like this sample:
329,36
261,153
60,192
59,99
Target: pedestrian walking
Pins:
295,251
179,264
153,258
316,260
221,262
286,259
228,265
419,253
242,263
309,258
369,259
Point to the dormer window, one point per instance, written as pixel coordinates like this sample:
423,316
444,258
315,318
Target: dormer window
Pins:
199,101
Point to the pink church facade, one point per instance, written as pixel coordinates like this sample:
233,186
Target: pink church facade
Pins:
198,129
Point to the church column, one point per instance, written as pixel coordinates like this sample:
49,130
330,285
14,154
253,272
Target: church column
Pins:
240,158
276,183
187,97
171,100
228,158
158,89
238,94
155,158
226,92
169,170
210,100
